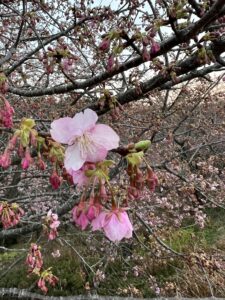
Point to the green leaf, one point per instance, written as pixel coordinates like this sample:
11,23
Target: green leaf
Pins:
142,145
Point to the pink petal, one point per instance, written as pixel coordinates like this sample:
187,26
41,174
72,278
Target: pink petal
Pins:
62,130
85,120
118,227
96,153
82,221
105,136
79,177
99,222
73,159
126,220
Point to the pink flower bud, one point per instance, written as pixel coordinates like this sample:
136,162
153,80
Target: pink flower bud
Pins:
5,160
27,160
6,114
155,47
146,56
41,164
55,180
105,44
42,286
110,63
151,180
12,142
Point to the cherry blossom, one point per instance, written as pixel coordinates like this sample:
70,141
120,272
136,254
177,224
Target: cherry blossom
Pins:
53,224
115,224
79,216
79,176
87,142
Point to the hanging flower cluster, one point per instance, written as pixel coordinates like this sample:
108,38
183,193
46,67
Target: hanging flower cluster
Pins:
47,277
6,113
26,138
88,144
51,225
137,178
10,214
34,262
34,259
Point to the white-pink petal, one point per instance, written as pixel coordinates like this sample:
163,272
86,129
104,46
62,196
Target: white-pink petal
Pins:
99,222
62,130
73,159
79,177
96,153
105,136
85,120
118,228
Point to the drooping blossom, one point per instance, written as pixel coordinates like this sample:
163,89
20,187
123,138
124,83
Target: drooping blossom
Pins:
84,213
151,180
79,176
27,160
34,259
5,160
87,142
6,114
52,225
47,277
93,210
79,216
115,224
55,180
41,164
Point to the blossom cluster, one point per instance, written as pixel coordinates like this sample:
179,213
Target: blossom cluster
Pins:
34,262
88,145
24,139
51,225
10,214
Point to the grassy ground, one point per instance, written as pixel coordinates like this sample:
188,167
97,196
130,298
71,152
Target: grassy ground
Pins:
129,268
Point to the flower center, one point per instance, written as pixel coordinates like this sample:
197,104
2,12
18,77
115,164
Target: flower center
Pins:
86,144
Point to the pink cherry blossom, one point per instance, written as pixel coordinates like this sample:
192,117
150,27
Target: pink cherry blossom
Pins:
34,258
79,216
116,224
53,224
93,211
79,176
42,286
87,142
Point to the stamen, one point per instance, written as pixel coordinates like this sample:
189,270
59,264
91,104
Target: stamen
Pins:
86,145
